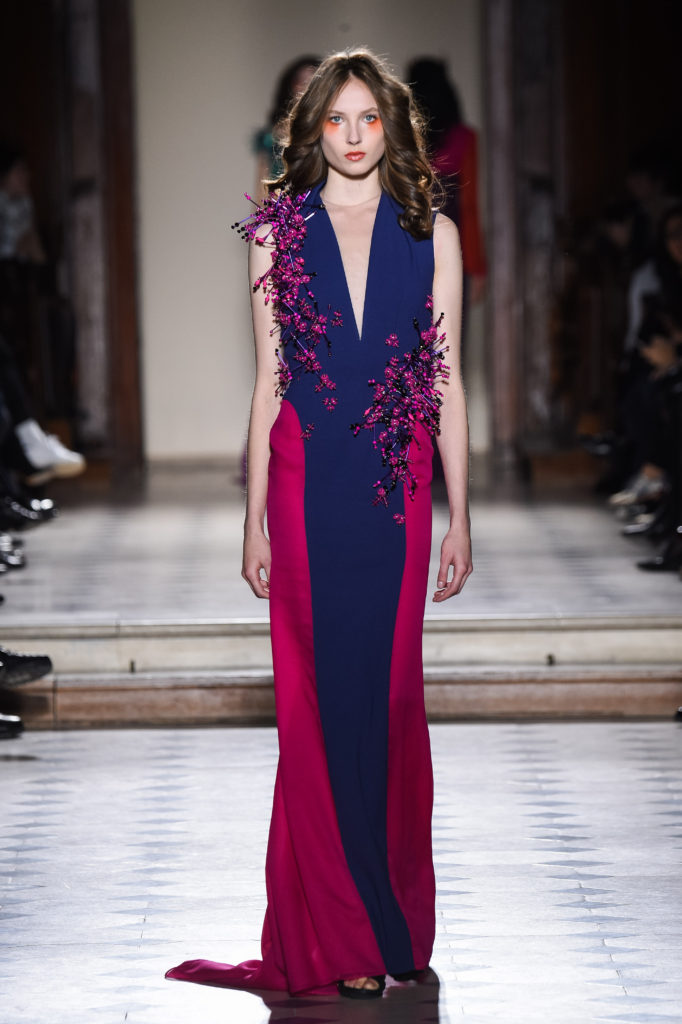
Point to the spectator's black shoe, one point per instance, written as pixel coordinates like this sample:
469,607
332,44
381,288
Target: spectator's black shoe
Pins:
654,525
15,516
12,559
641,525
22,668
10,555
10,726
659,563
11,488
597,444
45,507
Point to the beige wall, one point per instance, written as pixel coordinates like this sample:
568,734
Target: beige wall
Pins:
204,76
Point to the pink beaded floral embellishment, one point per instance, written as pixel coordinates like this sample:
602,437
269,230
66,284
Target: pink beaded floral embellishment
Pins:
405,398
286,284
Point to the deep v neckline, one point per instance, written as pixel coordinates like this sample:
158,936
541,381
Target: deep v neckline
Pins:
372,240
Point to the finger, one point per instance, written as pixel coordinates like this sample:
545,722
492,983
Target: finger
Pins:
454,586
259,585
443,573
465,576
444,594
460,576
442,584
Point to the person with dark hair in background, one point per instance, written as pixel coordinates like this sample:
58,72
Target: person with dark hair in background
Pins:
358,277
660,275
648,183
292,81
290,84
19,238
43,455
657,431
656,285
453,149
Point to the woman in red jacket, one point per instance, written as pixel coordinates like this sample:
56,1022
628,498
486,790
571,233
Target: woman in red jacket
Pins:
453,148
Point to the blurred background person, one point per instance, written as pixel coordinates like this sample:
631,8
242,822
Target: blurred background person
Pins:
290,84
660,274
19,239
651,500
25,288
649,183
292,81
453,149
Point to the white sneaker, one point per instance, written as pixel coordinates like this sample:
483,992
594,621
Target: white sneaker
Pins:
46,453
34,443
64,461
640,489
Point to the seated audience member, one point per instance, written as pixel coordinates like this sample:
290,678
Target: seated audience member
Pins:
648,182
19,239
38,456
661,275
654,420
44,454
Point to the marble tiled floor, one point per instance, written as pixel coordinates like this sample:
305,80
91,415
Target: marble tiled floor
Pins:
558,850
177,555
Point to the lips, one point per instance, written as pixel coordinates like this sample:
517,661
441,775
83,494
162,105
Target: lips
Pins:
357,155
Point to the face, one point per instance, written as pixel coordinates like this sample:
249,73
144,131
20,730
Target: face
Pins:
618,233
643,186
16,181
673,239
353,136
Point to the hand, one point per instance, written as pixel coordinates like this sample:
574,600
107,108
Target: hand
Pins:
257,557
455,552
660,352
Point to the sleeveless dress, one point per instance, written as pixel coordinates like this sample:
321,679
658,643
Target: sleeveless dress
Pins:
349,870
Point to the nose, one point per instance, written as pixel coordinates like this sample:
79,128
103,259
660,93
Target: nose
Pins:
353,135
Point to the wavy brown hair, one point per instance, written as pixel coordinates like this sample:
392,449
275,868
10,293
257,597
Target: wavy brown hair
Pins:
404,171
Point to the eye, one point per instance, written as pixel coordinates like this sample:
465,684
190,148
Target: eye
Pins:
334,118
371,118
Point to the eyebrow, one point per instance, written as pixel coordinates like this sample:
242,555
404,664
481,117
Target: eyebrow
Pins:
369,110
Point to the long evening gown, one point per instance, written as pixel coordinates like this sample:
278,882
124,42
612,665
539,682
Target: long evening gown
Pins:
349,871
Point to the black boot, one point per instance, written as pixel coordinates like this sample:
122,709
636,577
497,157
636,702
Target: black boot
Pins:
16,669
10,726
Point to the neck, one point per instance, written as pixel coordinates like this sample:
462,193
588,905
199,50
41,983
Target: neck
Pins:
351,191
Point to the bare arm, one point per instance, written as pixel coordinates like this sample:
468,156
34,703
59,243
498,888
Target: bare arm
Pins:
453,442
264,409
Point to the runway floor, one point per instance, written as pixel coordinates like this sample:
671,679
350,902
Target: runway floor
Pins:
176,554
558,850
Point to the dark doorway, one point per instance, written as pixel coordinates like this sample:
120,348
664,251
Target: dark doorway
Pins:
66,101
574,89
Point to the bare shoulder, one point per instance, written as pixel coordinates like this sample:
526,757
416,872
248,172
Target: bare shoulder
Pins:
446,244
260,249
259,239
445,232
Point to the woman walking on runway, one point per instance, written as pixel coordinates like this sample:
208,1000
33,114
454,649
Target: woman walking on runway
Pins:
355,284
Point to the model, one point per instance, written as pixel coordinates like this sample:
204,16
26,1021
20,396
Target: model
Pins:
358,282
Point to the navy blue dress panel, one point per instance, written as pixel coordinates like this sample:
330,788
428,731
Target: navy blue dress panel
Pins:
356,550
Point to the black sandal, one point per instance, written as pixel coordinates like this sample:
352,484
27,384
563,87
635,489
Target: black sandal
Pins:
363,993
